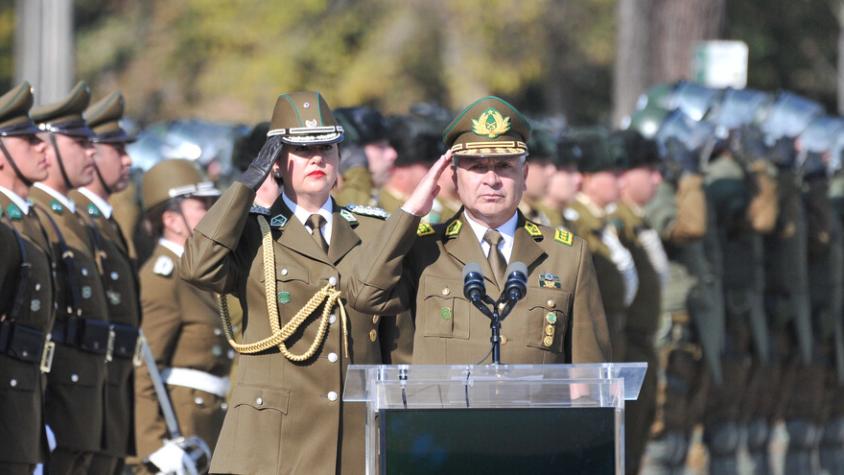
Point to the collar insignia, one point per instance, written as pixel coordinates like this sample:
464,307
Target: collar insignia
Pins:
490,124
425,229
348,216
56,206
13,212
563,236
453,229
533,230
93,210
278,221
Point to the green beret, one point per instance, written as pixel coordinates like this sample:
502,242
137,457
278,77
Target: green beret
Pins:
489,126
65,116
304,118
14,111
103,118
632,150
588,148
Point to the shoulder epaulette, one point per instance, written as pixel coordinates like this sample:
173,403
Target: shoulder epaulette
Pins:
163,266
425,229
563,236
258,209
371,211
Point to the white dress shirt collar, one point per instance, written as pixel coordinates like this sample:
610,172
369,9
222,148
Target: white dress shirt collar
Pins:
62,199
172,246
302,215
507,230
16,199
100,203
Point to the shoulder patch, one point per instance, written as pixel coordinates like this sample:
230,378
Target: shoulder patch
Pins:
258,209
424,229
163,266
278,221
453,229
371,211
533,230
563,236
348,216
56,206
93,210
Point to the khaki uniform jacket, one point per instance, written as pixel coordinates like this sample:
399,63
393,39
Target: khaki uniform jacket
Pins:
287,417
120,282
21,382
183,329
561,320
75,384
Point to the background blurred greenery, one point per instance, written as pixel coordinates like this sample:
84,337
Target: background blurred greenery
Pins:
227,60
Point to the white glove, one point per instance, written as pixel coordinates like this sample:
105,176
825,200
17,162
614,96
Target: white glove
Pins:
172,459
623,261
656,253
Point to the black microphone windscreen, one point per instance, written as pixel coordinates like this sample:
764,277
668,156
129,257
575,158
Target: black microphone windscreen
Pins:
470,268
515,266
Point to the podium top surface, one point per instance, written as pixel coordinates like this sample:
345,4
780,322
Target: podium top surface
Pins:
361,380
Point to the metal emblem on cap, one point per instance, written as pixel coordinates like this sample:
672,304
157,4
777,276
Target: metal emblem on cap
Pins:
311,123
306,105
491,124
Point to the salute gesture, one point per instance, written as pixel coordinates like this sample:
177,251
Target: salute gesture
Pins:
422,199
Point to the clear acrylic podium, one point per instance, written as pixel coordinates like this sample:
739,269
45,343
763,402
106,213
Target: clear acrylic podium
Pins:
494,419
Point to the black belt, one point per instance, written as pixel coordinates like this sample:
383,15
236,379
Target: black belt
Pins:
21,342
86,334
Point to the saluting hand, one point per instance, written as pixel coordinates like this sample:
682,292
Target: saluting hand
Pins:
422,199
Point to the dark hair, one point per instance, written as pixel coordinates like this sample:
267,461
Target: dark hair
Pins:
154,218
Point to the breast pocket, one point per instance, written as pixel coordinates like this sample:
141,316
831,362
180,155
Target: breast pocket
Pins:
547,318
444,311
255,443
293,288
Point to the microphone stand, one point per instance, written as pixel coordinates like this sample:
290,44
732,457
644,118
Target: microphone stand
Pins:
500,311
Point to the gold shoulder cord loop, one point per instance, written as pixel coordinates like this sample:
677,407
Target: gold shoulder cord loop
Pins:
327,294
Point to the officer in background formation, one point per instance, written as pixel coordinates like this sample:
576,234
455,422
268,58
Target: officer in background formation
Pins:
542,165
368,157
26,289
76,383
181,323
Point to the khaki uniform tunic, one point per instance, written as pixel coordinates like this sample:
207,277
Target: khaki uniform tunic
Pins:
285,416
183,330
561,320
75,385
21,382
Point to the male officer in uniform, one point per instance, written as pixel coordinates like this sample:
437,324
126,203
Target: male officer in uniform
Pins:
118,274
26,289
542,164
368,157
561,320
181,323
588,218
638,158
417,145
75,385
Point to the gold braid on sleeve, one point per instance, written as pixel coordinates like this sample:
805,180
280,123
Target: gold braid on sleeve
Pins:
327,295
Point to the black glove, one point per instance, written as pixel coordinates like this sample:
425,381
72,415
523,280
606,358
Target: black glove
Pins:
254,176
783,154
687,160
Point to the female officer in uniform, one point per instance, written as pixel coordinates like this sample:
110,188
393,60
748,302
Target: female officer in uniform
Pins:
286,265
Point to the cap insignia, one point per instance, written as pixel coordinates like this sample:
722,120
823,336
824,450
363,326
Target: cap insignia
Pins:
310,123
278,221
13,212
425,229
563,236
533,230
453,229
491,124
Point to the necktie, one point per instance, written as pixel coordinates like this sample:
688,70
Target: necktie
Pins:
495,258
315,221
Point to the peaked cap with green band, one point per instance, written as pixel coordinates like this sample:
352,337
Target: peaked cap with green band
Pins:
65,116
589,148
304,118
103,118
14,112
488,127
174,178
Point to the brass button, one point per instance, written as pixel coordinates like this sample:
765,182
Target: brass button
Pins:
551,317
284,271
332,281
551,303
373,335
332,396
13,382
504,340
376,319
548,341
549,330
74,378
259,401
332,357
198,401
446,291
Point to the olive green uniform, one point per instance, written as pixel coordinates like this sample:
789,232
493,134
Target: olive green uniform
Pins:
25,320
287,416
76,383
184,332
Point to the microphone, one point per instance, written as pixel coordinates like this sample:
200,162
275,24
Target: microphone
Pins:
515,287
473,283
